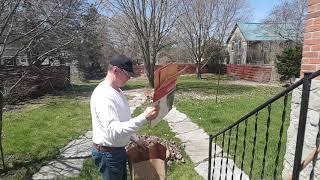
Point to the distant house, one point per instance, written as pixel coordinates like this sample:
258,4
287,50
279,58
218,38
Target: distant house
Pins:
252,49
11,58
257,43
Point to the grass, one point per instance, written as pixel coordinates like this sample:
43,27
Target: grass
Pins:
32,137
237,101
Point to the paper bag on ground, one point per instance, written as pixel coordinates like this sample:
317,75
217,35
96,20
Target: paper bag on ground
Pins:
148,166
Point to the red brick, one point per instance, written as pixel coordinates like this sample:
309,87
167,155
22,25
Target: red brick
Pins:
308,67
312,41
312,28
316,21
306,48
313,8
314,48
312,2
307,35
305,61
315,35
310,22
314,61
313,15
310,54
302,73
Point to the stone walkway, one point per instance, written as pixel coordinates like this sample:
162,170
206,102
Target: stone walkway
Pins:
194,139
196,143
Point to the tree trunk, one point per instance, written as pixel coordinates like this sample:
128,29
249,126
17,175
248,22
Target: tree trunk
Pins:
198,70
150,75
151,80
149,70
1,113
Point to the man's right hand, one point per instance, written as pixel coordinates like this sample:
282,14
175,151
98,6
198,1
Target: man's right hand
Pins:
151,113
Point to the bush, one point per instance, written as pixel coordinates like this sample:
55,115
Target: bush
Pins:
289,62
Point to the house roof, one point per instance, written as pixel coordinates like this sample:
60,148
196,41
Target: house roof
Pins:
263,31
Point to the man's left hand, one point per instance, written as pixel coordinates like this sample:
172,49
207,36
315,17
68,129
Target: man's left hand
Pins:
142,145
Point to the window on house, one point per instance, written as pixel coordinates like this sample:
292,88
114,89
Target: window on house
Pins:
9,62
232,45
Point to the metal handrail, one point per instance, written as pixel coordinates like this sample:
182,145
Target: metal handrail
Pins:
306,82
276,97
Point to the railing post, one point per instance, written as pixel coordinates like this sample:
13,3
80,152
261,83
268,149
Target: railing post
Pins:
1,114
210,157
302,126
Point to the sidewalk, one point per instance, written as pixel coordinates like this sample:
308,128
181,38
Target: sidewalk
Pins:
196,143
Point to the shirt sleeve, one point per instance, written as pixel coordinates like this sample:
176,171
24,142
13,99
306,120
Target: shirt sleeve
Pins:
107,113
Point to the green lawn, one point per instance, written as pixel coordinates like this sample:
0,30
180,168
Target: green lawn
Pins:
234,102
33,136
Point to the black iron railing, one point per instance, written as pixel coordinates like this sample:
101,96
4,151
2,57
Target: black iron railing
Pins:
242,137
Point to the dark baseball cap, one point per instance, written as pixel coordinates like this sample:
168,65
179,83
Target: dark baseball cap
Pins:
125,63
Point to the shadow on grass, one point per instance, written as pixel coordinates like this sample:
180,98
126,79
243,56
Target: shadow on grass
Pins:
24,168
204,86
133,86
86,89
74,90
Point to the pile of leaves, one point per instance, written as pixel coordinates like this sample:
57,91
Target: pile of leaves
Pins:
175,152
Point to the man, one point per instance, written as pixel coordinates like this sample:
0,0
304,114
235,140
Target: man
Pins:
112,124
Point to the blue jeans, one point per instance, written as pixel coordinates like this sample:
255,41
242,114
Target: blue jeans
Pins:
112,165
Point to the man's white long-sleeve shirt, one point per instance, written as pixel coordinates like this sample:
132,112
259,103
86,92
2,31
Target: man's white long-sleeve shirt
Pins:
112,124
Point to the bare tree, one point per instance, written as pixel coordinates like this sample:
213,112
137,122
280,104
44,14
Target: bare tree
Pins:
288,18
203,21
35,30
123,38
151,21
38,29
196,23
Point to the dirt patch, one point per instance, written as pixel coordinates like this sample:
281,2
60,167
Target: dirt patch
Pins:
251,83
202,96
38,102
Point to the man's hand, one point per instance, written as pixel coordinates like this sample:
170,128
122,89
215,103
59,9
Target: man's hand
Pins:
142,145
142,148
151,113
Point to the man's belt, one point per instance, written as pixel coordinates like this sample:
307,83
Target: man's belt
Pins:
104,148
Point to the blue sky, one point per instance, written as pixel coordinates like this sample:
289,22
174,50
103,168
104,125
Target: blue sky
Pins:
261,8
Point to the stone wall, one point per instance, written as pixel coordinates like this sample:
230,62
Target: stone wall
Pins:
310,63
33,82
